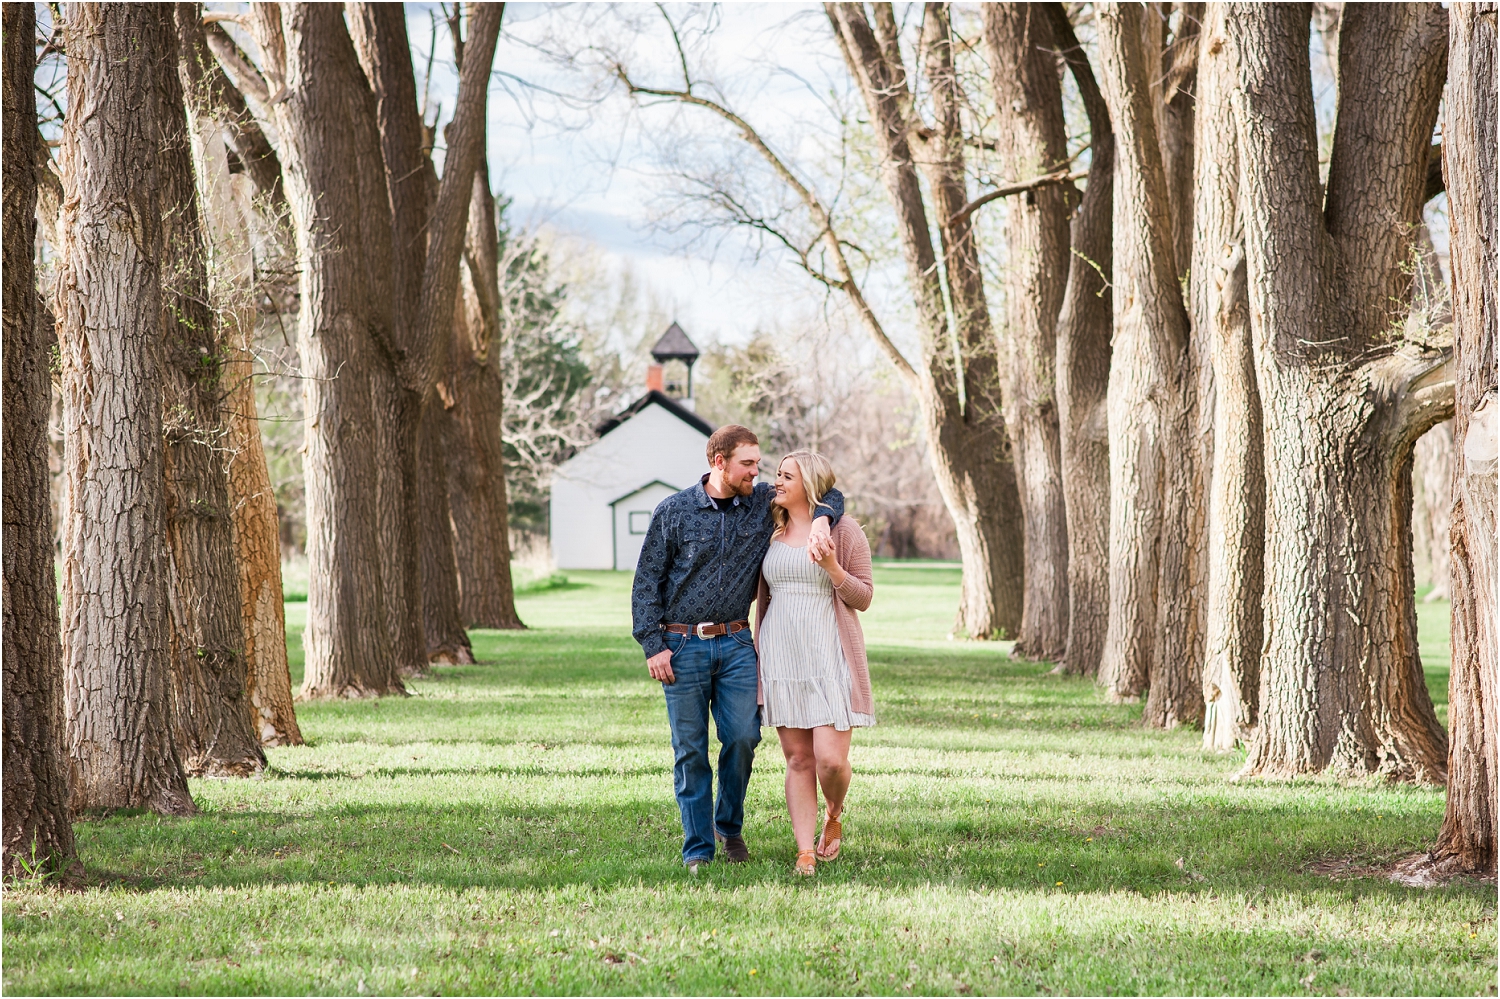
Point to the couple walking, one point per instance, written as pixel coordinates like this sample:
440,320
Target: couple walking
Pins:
709,551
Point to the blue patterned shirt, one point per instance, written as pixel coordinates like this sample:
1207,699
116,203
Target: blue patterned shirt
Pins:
699,563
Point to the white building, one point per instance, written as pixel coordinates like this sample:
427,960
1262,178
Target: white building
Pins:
603,497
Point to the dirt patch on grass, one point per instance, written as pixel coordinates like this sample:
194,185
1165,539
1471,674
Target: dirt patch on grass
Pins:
1419,871
1426,871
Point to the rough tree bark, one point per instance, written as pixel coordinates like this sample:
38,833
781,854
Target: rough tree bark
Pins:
403,167
1344,395
1084,332
1471,134
1236,506
349,653
447,642
1176,667
1031,140
221,123
1150,474
476,468
426,281
957,382
446,638
209,707
1173,58
38,826
116,634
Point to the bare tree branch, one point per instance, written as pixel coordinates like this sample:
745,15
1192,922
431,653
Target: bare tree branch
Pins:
1009,190
238,65
845,281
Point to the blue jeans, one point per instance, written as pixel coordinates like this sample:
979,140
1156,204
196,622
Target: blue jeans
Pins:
717,675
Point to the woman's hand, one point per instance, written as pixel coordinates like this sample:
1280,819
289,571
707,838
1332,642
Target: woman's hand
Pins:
830,564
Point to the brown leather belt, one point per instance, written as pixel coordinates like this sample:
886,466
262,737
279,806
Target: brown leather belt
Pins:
707,630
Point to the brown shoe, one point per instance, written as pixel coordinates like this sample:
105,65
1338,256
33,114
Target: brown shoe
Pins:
735,850
833,832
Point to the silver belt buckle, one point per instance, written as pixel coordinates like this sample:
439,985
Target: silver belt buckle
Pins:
698,629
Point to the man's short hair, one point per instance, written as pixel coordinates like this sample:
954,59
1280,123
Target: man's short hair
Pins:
726,439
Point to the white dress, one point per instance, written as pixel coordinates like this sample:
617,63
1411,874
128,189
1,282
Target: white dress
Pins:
803,674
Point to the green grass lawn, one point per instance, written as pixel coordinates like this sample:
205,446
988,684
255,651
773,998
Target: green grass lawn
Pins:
511,828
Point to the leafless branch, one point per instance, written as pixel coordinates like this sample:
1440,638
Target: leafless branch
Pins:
845,280
687,77
1009,190
241,70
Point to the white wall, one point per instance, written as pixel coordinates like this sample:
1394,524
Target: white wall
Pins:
652,444
632,515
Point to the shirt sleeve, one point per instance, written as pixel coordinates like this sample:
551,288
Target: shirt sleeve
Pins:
831,506
646,608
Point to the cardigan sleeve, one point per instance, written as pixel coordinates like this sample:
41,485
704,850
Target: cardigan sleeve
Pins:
858,587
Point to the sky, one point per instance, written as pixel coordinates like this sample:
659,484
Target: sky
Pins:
583,161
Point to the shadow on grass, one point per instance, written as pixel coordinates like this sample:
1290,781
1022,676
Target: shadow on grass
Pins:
917,816
1251,848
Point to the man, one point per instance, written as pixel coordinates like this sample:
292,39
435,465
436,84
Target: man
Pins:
694,582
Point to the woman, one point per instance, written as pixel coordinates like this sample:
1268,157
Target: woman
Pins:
815,682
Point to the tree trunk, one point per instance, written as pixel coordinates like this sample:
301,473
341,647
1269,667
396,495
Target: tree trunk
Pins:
1341,681
218,120
1084,331
476,468
1176,670
257,544
448,232
447,641
209,707
38,836
1150,476
1032,141
1174,64
1432,496
116,638
1236,507
401,165
957,381
1470,137
426,281
349,653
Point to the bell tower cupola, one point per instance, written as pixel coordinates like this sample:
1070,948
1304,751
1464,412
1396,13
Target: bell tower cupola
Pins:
676,355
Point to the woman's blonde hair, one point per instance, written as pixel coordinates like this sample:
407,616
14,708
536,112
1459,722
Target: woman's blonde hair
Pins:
817,479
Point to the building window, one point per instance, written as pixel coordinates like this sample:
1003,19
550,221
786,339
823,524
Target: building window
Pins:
639,521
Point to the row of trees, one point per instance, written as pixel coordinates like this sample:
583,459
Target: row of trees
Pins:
1180,457
187,171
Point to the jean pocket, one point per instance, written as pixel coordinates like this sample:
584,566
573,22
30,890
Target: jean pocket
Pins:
744,637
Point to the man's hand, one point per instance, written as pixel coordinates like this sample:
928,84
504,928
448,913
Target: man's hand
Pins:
820,540
660,666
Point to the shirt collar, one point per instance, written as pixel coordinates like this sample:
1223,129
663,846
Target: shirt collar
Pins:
700,492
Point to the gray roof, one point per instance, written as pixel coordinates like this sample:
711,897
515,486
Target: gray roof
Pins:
674,345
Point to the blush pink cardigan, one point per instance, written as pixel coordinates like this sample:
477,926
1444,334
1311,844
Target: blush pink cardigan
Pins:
853,594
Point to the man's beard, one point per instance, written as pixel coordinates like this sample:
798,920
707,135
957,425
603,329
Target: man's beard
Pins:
746,486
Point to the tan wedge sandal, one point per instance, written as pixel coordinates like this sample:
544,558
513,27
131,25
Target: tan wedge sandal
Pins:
807,862
833,830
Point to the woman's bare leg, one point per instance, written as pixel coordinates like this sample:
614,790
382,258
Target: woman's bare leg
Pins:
831,751
801,783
